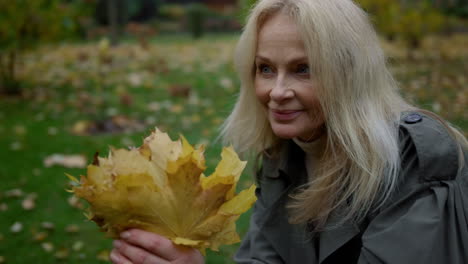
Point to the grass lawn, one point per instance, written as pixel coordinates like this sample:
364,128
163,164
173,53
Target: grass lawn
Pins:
70,83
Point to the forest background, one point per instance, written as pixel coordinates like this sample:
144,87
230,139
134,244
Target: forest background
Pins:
78,76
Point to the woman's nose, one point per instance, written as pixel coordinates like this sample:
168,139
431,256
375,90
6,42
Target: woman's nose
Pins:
281,91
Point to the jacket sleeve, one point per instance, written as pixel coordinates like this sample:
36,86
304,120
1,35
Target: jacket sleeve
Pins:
255,248
428,226
427,220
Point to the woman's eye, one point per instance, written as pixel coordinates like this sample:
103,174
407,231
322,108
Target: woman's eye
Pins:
303,69
264,69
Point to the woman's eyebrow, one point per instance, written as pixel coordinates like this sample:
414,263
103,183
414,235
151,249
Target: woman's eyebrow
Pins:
262,58
298,59
290,61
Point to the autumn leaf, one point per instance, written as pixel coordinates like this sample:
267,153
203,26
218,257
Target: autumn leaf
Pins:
47,246
40,236
160,187
16,227
69,161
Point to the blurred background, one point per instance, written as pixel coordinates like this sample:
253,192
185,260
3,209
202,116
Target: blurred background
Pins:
78,76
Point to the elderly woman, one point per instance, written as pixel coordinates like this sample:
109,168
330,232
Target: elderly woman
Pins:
350,172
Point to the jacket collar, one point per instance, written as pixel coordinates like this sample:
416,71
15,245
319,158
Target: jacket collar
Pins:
285,172
289,163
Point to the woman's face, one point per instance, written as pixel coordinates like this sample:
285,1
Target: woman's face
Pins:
283,83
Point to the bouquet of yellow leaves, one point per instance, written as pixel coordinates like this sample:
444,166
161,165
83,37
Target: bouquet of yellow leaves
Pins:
160,187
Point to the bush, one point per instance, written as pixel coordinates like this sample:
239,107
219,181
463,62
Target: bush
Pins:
24,24
415,23
411,21
172,12
244,8
196,14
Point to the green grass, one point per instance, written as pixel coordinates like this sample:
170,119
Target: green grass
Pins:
25,125
38,125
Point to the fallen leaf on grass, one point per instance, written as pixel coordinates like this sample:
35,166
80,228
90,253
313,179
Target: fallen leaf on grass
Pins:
2,259
150,120
39,117
16,146
206,132
48,225
160,187
209,111
68,161
78,245
40,236
47,246
114,124
75,202
195,118
112,111
135,79
52,131
103,255
29,202
227,84
217,121
19,130
81,127
36,172
186,123
3,207
176,109
179,90
72,228
14,193
154,106
62,253
16,227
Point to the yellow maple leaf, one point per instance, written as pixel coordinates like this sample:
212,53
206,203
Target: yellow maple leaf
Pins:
160,187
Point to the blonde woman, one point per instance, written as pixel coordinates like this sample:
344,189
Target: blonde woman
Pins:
350,172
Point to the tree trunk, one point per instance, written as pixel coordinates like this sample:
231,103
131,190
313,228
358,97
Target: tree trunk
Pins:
112,14
2,74
11,66
2,67
8,83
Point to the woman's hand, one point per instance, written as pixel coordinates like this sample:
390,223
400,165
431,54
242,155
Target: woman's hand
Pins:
141,247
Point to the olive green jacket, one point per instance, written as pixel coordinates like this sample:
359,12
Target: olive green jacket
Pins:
424,221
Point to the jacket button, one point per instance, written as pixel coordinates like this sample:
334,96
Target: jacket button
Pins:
413,118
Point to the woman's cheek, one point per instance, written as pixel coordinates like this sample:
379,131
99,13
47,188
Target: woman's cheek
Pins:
262,92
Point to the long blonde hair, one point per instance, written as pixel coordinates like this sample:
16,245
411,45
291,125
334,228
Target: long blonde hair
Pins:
359,99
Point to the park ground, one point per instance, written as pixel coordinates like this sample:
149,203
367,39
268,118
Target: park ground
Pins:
80,98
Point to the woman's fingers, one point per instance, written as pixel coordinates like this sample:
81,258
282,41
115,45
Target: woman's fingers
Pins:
142,247
135,255
117,258
154,243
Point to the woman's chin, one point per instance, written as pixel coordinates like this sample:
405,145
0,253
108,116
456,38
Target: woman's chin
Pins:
285,133
289,131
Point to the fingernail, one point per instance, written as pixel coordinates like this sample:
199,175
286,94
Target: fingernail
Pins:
125,235
114,257
117,243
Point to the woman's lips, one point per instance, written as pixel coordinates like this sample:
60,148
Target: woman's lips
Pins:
284,115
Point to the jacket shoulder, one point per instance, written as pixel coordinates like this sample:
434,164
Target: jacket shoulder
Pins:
426,137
